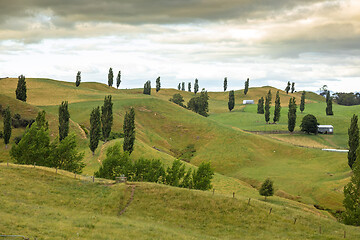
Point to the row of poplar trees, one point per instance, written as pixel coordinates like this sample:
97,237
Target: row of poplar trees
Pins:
101,124
181,86
110,78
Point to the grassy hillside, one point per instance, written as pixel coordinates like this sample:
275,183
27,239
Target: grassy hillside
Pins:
307,175
39,203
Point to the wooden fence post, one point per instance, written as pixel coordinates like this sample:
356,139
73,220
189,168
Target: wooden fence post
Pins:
249,201
34,164
320,229
270,211
213,191
233,194
295,220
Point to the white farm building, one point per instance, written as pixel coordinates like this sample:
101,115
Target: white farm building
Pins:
325,129
248,102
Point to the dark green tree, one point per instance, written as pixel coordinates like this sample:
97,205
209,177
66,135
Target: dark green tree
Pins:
287,89
231,102
302,103
246,86
118,80
41,120
179,86
178,99
189,86
353,133
175,173
292,114
267,189
78,79
225,84
309,124
183,86
199,104
7,126
107,117
147,88
292,87
202,177
196,86
129,131
277,110
158,85
21,89
260,106
267,106
110,77
329,110
352,196
95,129
64,118
64,155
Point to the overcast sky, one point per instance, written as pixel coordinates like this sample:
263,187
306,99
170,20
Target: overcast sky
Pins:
309,42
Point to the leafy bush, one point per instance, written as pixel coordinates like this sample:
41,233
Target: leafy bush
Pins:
178,99
202,177
199,104
309,124
267,188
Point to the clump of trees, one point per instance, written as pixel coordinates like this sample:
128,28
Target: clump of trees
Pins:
353,142
158,84
199,104
260,106
147,88
267,188
129,131
309,124
231,102
178,99
246,86
118,163
21,89
78,79
35,147
292,114
347,99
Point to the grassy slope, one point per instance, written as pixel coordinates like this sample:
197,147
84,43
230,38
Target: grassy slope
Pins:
39,203
167,126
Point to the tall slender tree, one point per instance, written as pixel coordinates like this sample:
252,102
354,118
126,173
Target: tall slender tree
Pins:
107,117
78,79
260,106
147,88
225,84
110,77
21,89
246,86
118,80
267,106
189,86
95,129
352,196
292,87
158,84
64,117
353,133
302,103
196,86
292,114
329,110
129,131
277,108
7,126
231,102
287,89
179,86
183,86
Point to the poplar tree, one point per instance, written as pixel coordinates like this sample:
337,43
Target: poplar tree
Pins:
277,108
106,117
225,84
292,114
7,126
179,86
21,89
329,110
78,79
95,129
352,197
231,102
110,77
118,80
353,133
158,85
183,86
189,86
287,89
246,86
64,117
292,87
267,106
129,131
147,88
302,103
260,106
196,86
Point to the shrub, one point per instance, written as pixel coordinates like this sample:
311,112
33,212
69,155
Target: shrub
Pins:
267,189
309,124
178,99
